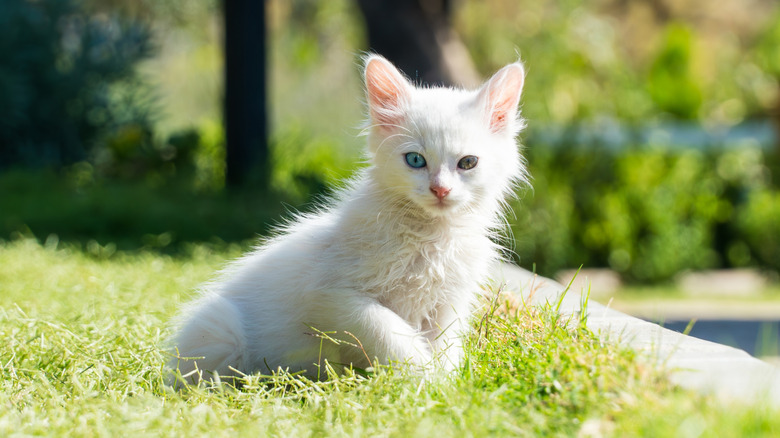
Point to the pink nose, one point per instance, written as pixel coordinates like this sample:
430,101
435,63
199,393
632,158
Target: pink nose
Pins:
440,192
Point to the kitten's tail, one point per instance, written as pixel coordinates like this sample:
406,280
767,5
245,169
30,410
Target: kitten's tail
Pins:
209,342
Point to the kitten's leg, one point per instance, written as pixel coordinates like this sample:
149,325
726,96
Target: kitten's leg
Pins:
210,341
383,334
448,335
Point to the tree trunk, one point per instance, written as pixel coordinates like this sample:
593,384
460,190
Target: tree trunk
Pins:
417,36
245,92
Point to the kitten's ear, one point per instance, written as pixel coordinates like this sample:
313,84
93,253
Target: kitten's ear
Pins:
500,96
387,91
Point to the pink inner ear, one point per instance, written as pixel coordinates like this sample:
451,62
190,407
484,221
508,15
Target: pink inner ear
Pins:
386,91
503,96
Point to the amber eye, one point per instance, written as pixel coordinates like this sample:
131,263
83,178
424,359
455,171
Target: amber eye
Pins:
468,162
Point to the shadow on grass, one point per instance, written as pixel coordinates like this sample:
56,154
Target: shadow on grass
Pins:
134,215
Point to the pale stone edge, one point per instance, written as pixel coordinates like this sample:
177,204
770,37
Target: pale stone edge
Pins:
728,373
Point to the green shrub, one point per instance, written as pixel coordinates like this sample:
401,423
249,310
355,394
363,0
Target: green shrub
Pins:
648,213
673,87
758,223
67,82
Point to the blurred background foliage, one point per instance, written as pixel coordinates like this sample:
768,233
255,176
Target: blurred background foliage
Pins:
652,135
67,83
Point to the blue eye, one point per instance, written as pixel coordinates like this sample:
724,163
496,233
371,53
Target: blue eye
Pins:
415,160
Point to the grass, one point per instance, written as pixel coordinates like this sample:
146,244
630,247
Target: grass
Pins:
82,355
131,215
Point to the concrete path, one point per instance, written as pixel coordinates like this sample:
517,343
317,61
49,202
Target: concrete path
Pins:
726,372
687,309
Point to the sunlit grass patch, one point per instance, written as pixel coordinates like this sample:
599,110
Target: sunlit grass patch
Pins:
83,354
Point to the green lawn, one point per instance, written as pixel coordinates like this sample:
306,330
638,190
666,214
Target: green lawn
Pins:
83,333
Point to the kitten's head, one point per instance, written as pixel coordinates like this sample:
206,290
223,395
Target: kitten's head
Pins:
445,150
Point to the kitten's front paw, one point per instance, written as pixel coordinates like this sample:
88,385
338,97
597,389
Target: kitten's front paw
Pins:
419,355
448,360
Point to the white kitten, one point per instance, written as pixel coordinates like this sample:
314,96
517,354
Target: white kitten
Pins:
397,261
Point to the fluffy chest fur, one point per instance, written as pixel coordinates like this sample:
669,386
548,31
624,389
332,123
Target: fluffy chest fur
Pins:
408,262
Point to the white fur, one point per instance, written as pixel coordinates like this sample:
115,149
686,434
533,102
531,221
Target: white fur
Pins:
388,262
